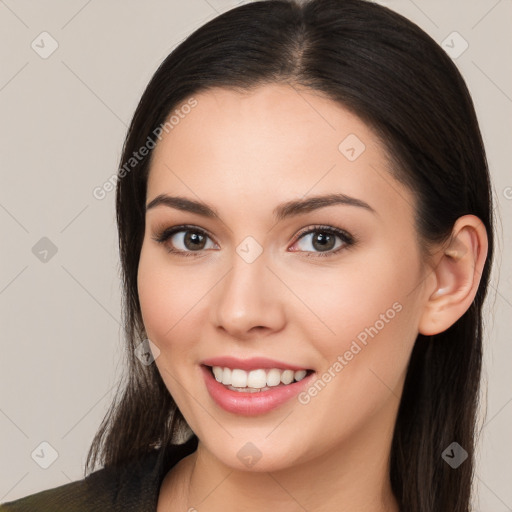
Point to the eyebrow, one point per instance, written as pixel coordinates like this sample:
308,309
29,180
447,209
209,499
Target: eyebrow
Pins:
281,212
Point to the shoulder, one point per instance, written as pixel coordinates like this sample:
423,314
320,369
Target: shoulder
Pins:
132,487
103,490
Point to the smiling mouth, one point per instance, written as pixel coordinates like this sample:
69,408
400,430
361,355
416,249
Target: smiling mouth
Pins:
257,380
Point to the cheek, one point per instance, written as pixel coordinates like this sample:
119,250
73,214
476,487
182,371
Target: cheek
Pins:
170,299
157,296
365,289
166,299
380,332
155,301
365,321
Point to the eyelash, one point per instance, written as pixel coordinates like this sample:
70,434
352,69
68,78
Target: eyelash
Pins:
347,239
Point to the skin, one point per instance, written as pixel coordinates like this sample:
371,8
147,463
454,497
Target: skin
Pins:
244,154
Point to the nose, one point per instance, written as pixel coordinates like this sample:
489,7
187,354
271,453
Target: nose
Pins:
247,303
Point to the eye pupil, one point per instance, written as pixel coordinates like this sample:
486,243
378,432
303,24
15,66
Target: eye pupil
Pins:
324,239
196,238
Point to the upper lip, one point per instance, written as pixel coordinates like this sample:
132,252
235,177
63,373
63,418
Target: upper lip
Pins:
252,363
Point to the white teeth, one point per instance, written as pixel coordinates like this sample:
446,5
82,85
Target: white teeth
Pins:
274,377
226,376
238,378
217,372
256,379
300,374
287,376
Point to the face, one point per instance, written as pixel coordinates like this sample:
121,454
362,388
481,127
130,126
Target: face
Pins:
334,289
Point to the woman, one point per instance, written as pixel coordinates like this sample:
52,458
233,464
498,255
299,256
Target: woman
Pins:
306,235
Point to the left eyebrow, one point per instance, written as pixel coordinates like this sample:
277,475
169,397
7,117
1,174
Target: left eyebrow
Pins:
281,212
297,207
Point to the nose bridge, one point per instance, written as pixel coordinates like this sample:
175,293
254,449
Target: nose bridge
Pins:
246,296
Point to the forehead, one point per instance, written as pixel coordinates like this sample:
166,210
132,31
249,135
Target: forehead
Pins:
255,149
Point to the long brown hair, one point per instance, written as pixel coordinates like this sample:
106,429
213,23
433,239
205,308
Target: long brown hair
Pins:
396,78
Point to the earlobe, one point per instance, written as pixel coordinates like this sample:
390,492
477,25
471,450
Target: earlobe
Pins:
456,276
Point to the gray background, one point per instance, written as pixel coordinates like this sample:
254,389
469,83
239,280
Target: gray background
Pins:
63,121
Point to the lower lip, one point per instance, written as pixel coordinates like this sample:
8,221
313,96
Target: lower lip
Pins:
251,404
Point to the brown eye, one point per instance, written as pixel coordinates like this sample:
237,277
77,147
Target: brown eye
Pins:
324,240
183,240
194,240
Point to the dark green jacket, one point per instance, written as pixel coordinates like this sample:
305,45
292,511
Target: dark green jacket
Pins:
134,487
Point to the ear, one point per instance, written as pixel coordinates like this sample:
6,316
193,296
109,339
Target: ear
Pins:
456,276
